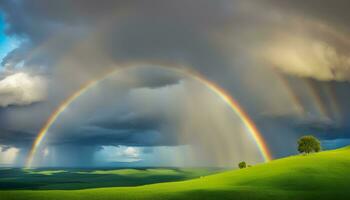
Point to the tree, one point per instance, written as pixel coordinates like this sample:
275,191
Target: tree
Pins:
242,165
308,144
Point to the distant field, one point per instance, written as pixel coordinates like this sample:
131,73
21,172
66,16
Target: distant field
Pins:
324,175
94,178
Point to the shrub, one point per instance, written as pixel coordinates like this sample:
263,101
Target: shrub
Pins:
242,165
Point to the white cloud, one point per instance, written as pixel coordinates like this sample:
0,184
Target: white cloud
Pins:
131,152
22,89
309,48
309,58
8,155
118,154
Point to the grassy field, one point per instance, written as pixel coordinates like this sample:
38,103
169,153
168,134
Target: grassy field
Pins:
72,179
324,175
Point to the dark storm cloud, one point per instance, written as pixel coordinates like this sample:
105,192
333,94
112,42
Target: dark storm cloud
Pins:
130,121
16,138
132,129
102,137
106,116
121,31
334,12
78,40
22,131
130,28
177,31
150,77
117,124
293,127
21,14
324,130
129,131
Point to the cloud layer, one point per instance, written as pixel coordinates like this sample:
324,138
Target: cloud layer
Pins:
22,89
286,62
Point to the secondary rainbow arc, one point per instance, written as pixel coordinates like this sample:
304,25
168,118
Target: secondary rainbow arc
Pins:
220,92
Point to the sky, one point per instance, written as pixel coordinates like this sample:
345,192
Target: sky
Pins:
286,63
7,43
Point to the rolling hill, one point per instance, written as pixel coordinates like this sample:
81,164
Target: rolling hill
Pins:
324,175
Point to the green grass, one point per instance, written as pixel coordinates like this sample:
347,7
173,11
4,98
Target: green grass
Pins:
324,175
44,172
68,179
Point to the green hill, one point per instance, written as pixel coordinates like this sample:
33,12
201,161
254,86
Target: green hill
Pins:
324,175
75,178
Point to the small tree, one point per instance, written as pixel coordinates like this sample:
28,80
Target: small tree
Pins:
308,144
242,165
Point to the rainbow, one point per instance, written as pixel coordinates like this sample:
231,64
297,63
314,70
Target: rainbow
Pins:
229,100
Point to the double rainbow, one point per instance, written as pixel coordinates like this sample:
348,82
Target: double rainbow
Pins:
231,102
